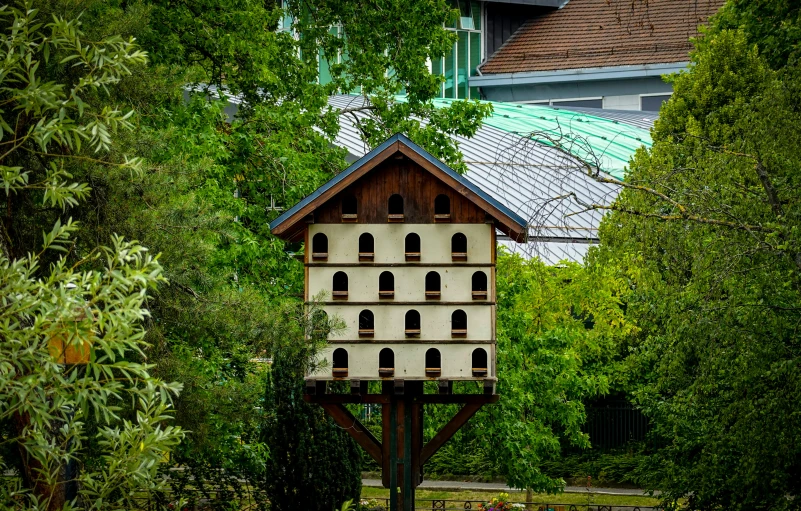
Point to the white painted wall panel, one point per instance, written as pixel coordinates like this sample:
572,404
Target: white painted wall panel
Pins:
435,241
456,282
435,321
409,360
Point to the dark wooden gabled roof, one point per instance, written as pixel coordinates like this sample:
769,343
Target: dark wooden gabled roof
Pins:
288,225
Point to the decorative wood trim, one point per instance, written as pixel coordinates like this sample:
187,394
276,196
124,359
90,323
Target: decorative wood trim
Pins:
504,223
450,429
360,434
402,265
431,302
434,399
338,187
409,341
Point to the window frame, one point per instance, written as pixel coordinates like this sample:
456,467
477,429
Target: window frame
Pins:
412,256
339,372
366,256
412,332
320,256
339,294
387,294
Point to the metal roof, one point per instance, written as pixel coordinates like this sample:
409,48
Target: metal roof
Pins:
462,180
540,183
604,143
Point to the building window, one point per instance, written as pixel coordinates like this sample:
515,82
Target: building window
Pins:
386,363
582,103
479,285
462,61
459,323
386,285
479,362
395,208
412,323
340,286
349,210
366,247
412,247
340,365
459,247
433,286
433,363
320,247
442,208
653,103
366,323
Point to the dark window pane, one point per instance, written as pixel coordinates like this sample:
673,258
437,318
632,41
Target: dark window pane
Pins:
584,103
652,103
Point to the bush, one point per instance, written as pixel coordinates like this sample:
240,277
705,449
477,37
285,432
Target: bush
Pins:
314,464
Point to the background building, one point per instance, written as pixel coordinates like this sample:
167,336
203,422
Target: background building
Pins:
587,53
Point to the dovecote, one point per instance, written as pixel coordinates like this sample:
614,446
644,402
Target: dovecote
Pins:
403,252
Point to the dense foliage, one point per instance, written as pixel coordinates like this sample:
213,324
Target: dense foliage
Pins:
707,237
88,304
313,463
108,138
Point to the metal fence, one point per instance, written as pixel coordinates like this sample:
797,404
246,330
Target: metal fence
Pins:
612,423
469,505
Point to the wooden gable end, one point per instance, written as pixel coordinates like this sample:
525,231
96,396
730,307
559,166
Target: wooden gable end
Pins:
417,186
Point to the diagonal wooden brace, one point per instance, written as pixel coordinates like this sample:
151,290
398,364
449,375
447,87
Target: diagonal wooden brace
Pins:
355,429
447,432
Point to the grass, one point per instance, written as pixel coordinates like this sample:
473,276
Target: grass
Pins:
578,499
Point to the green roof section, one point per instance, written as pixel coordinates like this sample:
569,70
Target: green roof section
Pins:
586,137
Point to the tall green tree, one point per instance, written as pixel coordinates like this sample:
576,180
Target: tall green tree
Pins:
61,295
706,233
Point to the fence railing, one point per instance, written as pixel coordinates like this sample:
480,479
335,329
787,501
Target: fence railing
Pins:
469,505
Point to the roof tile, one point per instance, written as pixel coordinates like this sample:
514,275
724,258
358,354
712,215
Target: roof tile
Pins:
600,33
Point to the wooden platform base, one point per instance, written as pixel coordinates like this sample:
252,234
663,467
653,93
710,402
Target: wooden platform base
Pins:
401,452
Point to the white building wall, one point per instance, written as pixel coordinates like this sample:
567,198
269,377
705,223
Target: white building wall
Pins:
455,283
409,360
627,102
435,241
435,322
389,314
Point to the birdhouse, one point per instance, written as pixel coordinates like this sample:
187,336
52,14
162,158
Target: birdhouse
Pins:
403,250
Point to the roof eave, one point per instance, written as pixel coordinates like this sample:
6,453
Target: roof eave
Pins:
508,222
576,75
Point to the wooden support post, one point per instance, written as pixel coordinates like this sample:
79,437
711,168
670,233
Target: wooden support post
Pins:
356,429
401,452
448,430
